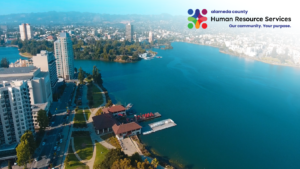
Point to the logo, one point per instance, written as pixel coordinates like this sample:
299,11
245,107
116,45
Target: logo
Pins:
197,19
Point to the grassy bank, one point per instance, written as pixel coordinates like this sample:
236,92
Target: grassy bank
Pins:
84,147
95,96
87,113
111,139
71,161
101,151
27,55
79,120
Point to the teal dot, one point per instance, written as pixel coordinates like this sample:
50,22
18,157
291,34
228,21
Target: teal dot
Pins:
190,25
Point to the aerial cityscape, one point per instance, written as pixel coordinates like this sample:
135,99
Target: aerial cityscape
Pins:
81,89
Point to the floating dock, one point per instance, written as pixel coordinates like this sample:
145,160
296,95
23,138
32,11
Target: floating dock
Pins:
153,127
144,118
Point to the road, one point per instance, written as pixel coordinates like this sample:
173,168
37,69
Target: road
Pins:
58,130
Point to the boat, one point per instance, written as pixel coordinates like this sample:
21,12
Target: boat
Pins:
129,106
158,57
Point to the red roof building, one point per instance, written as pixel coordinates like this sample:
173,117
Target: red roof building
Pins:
128,129
103,123
115,110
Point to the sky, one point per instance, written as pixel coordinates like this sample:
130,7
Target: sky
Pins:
173,7
257,8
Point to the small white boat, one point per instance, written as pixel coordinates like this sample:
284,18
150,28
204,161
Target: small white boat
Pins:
129,106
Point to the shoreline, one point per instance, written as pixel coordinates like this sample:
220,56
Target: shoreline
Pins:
246,57
23,55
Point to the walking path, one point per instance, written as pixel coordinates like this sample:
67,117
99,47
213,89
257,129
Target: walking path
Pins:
94,137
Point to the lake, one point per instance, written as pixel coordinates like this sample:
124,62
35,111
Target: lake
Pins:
230,112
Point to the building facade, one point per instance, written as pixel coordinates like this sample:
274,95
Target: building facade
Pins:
38,82
64,56
151,37
46,62
25,31
117,110
126,130
15,111
129,32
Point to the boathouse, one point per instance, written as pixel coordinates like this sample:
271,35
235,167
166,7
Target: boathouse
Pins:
125,130
115,110
103,123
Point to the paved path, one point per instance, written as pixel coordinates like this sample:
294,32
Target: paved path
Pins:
90,127
73,148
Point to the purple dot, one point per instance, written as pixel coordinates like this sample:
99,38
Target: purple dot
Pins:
204,11
190,11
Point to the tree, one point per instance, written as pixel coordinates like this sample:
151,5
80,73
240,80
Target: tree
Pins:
75,69
109,103
4,63
97,76
99,112
42,119
112,156
80,75
28,136
23,153
135,158
9,164
122,164
154,163
144,165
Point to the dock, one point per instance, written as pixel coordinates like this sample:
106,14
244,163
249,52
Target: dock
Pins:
160,125
145,118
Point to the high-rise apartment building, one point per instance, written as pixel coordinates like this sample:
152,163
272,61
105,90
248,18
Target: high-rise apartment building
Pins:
46,62
25,31
151,37
37,81
64,56
129,32
15,111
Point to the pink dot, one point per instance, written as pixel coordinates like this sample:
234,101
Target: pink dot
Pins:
204,11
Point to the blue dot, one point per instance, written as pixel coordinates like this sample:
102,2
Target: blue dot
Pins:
190,11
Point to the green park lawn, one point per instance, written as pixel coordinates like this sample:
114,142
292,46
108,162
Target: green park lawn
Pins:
74,163
111,139
97,97
101,151
84,147
87,113
79,120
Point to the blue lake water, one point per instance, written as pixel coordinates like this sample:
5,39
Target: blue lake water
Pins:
230,112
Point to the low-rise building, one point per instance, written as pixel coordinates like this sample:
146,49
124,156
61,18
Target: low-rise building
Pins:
126,130
115,110
103,123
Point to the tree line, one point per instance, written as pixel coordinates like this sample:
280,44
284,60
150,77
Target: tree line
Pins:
108,49
117,159
32,46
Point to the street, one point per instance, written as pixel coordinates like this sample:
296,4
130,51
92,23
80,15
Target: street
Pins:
59,129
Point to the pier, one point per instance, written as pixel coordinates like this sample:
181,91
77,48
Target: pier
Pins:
147,116
153,127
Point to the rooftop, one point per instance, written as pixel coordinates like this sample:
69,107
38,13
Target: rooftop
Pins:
8,147
123,128
37,107
16,70
103,121
116,108
64,34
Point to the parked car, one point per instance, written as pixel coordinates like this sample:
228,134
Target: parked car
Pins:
60,140
43,143
55,147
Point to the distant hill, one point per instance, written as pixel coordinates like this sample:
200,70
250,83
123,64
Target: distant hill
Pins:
77,17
